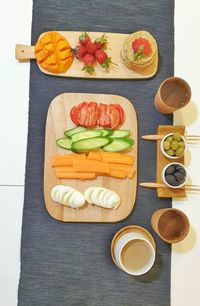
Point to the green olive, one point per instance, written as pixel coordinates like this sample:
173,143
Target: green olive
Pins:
179,152
177,136
174,145
170,152
166,145
181,144
169,138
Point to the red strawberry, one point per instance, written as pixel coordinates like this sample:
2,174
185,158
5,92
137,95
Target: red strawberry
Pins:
84,38
89,62
101,56
91,47
89,59
101,42
80,51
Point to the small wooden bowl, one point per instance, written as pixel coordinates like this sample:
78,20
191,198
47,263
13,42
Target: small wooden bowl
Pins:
171,224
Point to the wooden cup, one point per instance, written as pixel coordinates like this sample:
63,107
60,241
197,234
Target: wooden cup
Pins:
173,94
171,224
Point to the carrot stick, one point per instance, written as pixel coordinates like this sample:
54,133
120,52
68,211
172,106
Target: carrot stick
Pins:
128,170
95,156
66,160
117,158
75,175
91,166
117,173
64,169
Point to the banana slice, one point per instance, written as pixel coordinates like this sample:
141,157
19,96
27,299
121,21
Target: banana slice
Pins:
67,196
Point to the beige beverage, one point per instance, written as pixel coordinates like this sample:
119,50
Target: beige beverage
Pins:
135,255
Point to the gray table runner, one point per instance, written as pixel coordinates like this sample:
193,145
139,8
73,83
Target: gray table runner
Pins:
69,263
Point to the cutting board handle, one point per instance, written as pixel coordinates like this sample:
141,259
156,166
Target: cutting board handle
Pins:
24,52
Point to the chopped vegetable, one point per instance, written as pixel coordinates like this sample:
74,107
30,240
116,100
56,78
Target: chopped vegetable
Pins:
64,143
66,160
85,135
75,130
120,133
117,158
91,166
90,144
118,144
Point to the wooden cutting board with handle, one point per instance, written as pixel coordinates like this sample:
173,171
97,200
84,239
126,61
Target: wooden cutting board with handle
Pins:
114,46
58,121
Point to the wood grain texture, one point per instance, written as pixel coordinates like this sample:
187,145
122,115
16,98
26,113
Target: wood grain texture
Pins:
114,46
58,121
162,161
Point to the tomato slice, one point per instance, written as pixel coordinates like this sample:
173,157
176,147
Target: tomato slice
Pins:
82,113
93,111
114,116
73,115
121,113
104,116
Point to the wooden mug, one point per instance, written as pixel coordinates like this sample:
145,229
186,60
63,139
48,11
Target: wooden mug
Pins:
171,224
173,94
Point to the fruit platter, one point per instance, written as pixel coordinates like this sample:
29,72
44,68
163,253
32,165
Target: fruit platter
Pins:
90,158
93,54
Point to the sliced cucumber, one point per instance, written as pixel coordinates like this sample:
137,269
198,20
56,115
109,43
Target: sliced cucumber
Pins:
120,133
105,132
119,144
85,135
75,130
64,143
90,144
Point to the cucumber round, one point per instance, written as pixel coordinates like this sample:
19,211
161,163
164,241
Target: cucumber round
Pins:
120,134
64,143
105,132
118,145
75,130
85,135
90,144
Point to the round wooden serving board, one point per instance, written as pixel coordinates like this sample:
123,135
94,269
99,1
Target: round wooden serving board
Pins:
58,121
114,46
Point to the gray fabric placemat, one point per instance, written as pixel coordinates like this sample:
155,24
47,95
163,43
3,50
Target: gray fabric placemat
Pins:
70,263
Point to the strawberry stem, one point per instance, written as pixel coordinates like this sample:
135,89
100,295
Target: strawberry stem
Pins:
88,68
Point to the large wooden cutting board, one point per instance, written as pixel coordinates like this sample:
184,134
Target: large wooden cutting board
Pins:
58,121
114,46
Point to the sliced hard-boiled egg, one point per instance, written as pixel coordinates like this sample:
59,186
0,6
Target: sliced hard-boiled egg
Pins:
102,197
88,193
67,196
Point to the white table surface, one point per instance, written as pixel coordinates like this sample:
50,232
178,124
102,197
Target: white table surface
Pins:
14,91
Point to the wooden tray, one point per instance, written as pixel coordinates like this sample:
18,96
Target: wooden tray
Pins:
58,121
115,42
162,161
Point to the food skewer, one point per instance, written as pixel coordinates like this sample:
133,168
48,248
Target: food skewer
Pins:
161,185
160,137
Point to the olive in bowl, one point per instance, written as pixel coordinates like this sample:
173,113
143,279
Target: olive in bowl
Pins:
173,145
174,175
